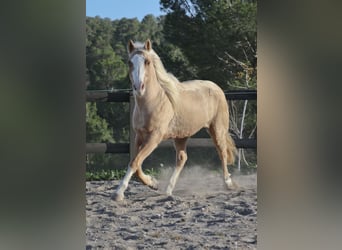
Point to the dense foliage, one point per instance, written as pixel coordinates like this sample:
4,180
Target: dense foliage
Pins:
196,39
208,31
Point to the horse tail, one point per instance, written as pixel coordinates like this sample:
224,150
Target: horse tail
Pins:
231,150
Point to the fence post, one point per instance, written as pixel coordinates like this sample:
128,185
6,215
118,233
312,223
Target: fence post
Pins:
131,130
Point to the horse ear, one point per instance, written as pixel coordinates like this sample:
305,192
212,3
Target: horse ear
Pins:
148,45
130,46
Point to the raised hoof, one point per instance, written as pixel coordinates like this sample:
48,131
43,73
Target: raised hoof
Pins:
230,184
118,197
154,184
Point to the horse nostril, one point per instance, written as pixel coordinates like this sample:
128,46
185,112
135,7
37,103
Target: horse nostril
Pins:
142,86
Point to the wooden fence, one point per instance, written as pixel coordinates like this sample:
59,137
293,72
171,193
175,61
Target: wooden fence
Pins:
126,96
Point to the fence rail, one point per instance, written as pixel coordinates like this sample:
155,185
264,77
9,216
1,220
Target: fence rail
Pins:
126,96
119,148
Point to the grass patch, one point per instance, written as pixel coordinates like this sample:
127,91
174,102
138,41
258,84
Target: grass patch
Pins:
105,174
114,174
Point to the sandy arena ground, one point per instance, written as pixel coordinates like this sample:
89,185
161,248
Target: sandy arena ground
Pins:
201,214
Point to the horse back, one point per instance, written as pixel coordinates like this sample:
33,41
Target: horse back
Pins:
202,96
199,104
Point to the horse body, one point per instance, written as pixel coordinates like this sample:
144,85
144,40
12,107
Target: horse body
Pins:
201,100
166,108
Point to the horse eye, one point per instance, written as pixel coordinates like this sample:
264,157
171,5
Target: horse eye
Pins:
130,64
147,62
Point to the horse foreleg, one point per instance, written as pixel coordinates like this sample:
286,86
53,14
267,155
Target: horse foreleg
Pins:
119,193
181,157
146,179
135,166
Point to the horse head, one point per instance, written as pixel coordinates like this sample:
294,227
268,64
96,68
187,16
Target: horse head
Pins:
139,65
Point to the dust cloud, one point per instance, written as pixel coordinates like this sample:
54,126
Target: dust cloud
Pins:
199,180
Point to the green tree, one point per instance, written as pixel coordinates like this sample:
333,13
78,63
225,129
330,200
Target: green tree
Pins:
175,61
98,130
97,127
208,30
104,66
124,30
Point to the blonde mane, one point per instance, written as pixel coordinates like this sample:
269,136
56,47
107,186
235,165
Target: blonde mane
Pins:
167,81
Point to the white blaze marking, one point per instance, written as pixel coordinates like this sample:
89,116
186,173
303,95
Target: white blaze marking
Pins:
138,72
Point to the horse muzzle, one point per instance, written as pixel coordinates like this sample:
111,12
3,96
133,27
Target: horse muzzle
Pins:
139,88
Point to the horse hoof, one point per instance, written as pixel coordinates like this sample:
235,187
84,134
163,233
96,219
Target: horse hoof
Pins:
118,197
154,184
231,184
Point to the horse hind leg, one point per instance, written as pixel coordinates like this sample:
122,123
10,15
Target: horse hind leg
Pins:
225,150
231,149
181,157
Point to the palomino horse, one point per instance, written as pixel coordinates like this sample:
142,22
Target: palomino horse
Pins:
165,108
